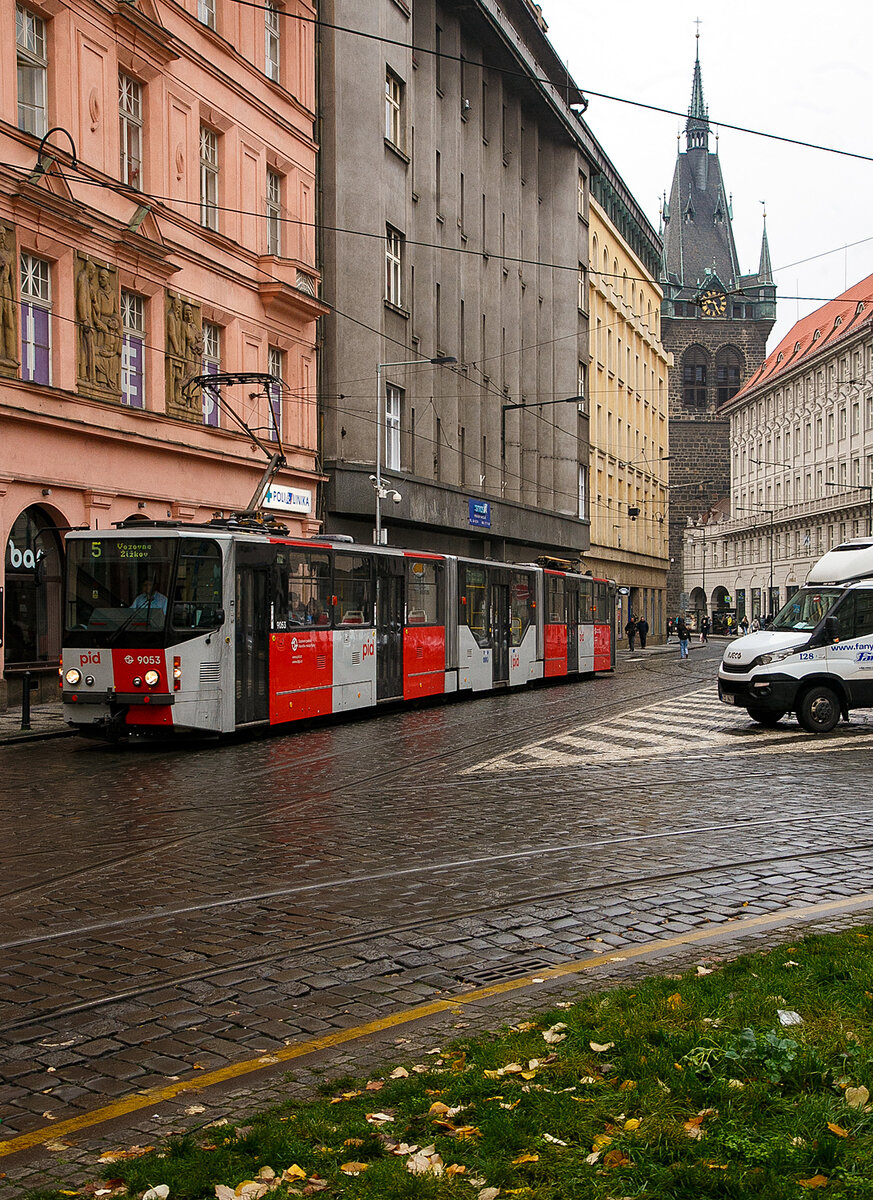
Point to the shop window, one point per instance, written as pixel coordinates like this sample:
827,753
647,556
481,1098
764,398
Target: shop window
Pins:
32,617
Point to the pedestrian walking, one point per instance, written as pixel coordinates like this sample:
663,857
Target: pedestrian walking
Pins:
744,624
684,636
643,631
704,630
755,627
631,631
671,624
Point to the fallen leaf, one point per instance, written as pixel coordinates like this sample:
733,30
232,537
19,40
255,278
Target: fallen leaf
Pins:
353,1142
161,1192
788,1017
399,1073
704,970
49,1115
112,1156
353,1168
344,1096
600,1047
525,1158
838,1130
491,1193
554,1035
817,1181
629,1085
602,1140
547,1137
193,1109
456,1169
222,1192
674,1001
792,963
616,1158
692,1128
632,1124
856,1097
379,1118
425,1162
374,1085
593,1157
438,1109
293,1172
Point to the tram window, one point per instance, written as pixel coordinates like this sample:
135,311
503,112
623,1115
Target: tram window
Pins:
586,601
474,604
197,598
353,589
423,593
521,598
301,589
555,612
601,604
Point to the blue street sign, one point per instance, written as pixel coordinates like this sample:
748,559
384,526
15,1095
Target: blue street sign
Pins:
480,513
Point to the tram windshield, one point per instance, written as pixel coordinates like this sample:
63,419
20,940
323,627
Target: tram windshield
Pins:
130,587
805,609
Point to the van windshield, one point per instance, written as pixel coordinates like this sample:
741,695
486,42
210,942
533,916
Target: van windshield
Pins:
805,609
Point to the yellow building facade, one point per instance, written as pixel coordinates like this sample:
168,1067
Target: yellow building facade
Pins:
627,378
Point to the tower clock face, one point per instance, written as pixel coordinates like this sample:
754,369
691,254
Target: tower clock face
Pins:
713,303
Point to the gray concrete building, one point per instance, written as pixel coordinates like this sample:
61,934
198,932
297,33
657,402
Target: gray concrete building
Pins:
454,190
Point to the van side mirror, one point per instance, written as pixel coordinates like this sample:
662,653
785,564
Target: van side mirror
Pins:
831,630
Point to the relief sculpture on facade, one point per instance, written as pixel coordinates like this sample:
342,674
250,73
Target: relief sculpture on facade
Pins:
184,355
8,302
98,328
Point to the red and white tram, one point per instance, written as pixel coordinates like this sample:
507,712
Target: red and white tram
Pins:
205,629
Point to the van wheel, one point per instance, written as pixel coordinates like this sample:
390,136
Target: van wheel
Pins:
765,716
819,710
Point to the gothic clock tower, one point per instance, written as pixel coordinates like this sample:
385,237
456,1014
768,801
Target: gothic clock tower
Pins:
714,320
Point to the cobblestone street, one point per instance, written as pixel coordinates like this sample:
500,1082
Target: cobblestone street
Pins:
177,910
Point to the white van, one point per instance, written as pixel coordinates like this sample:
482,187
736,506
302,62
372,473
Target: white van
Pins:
816,658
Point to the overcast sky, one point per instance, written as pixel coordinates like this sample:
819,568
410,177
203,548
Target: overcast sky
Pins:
801,70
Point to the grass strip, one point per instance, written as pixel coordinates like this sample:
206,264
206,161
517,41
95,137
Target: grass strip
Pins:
750,1078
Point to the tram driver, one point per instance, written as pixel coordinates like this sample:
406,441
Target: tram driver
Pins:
149,597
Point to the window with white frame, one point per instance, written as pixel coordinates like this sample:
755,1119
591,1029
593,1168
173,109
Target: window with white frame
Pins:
206,12
211,366
275,365
582,297
208,178
580,195
582,384
32,62
393,109
393,412
274,213
132,349
271,40
130,130
394,267
35,319
583,491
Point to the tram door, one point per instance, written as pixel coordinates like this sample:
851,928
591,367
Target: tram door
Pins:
500,619
251,648
389,629
572,611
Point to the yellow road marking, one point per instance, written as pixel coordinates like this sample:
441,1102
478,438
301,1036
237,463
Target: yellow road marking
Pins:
139,1100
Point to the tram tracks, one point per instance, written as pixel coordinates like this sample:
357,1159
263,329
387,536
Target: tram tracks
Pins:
360,937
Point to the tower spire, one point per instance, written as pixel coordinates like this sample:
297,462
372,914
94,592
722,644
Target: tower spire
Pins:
697,125
765,270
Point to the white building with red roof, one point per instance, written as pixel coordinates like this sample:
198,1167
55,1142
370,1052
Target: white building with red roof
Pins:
801,437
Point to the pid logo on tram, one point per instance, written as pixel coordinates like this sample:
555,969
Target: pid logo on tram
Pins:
369,649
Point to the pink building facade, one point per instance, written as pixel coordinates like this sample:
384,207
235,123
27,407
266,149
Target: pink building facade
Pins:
165,230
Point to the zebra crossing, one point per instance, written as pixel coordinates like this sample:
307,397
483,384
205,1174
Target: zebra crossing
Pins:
685,726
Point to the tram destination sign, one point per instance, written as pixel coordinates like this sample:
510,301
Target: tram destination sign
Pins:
480,513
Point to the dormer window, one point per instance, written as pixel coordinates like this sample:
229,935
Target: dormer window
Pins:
860,308
838,322
779,358
796,347
816,335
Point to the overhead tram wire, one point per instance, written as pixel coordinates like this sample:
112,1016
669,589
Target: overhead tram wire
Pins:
527,77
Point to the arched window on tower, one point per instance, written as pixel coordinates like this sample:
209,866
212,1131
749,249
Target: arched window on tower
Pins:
729,366
694,363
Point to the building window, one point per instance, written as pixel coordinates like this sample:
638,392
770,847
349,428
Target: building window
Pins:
274,213
582,384
583,491
211,366
32,63
35,320
582,288
728,372
208,178
130,130
271,40
394,267
393,411
438,59
580,194
393,109
694,377
275,365
132,350
206,12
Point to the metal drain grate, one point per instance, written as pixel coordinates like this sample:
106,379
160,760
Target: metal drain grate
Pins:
506,968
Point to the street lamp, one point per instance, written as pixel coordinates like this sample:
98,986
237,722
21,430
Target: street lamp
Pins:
381,491
860,487
504,409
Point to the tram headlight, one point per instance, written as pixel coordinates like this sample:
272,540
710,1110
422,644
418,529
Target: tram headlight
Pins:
151,678
73,677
